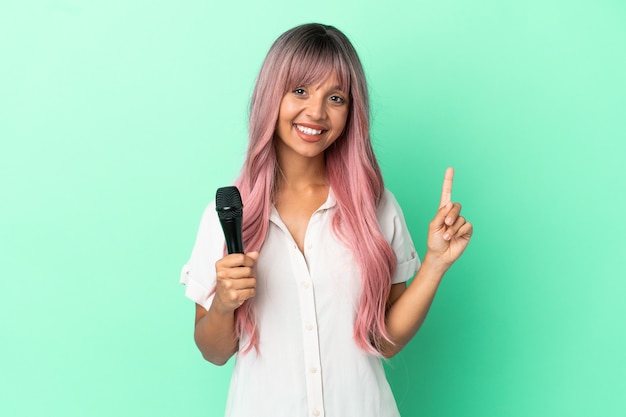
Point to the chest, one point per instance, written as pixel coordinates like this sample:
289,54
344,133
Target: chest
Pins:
307,276
296,210
321,263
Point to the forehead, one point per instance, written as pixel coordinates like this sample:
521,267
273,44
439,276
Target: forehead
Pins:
331,82
320,73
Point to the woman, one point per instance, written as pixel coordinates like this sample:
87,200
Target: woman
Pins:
322,294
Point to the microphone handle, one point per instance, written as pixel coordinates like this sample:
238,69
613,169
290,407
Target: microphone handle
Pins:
232,234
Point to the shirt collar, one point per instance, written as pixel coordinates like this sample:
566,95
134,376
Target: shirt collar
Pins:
330,202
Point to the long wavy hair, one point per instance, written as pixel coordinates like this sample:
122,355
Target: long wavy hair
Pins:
301,56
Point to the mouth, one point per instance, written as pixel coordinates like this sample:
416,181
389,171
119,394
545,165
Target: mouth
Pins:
309,131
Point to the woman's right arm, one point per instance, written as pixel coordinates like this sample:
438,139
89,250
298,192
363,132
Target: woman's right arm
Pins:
214,332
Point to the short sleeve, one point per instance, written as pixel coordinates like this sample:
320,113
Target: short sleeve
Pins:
393,227
198,274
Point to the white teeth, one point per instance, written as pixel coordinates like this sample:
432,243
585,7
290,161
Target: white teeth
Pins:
308,131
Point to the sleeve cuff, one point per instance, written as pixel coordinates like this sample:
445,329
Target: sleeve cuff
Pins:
194,290
406,269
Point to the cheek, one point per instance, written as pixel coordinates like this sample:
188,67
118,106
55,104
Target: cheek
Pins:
341,120
287,110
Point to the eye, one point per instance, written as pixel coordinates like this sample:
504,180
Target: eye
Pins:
337,99
299,91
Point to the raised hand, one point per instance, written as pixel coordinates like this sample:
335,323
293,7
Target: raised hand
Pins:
449,232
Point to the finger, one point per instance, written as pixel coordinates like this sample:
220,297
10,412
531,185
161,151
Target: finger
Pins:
438,220
238,284
235,298
231,261
237,259
453,214
246,294
239,272
466,231
446,189
453,230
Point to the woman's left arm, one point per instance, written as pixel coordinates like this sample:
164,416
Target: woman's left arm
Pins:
448,236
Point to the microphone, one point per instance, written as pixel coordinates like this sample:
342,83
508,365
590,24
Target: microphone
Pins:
230,211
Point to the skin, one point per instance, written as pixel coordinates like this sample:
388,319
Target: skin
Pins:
302,188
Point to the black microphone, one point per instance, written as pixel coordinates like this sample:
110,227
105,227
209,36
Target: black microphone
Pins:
230,211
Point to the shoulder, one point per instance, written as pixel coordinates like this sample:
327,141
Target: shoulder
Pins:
210,241
394,228
209,218
210,234
391,218
388,207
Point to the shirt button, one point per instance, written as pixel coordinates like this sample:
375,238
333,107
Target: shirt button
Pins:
309,327
306,284
316,413
313,369
309,246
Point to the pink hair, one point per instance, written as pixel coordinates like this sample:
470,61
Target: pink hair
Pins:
301,56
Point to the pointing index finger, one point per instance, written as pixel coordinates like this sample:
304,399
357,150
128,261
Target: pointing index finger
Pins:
446,190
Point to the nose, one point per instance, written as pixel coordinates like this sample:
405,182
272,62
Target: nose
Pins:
316,107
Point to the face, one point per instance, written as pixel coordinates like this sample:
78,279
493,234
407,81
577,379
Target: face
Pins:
311,118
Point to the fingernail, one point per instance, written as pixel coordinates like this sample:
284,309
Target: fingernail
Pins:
448,220
446,236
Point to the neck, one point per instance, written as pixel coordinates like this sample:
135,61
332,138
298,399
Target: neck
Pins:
298,172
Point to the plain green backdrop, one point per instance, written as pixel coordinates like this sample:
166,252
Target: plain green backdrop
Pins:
119,119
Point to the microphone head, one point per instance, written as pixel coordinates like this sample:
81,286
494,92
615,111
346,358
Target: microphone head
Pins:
228,203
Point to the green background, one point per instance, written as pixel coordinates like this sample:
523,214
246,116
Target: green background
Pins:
119,119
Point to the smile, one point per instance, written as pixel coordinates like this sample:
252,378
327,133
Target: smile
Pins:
308,130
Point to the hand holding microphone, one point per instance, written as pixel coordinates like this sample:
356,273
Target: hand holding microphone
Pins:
236,278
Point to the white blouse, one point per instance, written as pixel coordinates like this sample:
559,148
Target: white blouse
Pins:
308,363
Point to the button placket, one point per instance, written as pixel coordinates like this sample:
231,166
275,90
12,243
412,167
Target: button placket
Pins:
310,336
306,297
